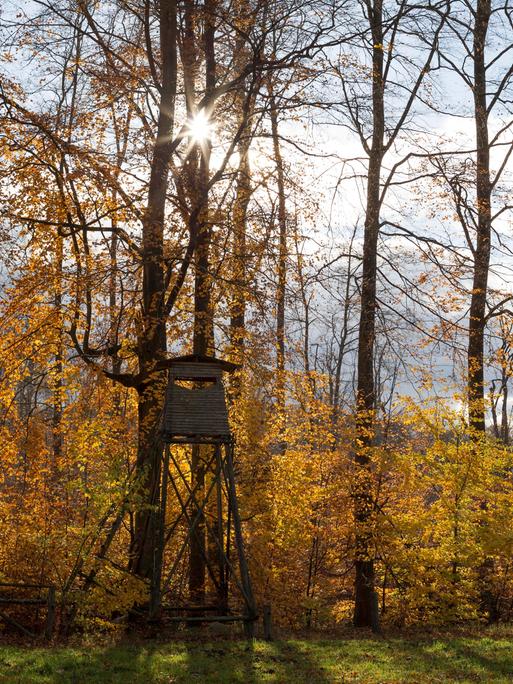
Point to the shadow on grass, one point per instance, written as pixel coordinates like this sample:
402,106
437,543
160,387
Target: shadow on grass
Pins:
453,659
180,662
252,662
470,658
216,661
499,666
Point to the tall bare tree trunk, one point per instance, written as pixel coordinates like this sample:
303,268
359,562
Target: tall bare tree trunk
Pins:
238,302
282,256
240,210
152,339
203,335
477,315
365,610
57,407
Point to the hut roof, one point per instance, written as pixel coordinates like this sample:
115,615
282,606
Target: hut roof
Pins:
226,366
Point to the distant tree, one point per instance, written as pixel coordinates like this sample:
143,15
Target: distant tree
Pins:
378,104
481,30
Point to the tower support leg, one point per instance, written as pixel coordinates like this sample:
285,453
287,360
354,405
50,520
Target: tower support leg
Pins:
251,612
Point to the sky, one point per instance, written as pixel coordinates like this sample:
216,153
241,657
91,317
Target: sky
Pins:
327,179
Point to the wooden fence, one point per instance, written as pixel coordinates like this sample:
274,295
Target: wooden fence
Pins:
10,596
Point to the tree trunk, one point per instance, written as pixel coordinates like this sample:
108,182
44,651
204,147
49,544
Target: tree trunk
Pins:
152,340
202,345
57,408
477,315
203,335
239,223
365,610
282,259
238,275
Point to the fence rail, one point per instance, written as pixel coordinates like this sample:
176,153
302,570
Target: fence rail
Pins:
48,601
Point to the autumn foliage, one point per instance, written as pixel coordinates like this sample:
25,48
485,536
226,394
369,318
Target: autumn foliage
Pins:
162,193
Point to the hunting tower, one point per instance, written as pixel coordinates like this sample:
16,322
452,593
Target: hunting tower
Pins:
197,576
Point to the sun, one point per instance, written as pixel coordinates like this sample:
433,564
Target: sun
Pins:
199,127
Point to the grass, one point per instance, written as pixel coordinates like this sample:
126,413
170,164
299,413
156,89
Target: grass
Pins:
485,657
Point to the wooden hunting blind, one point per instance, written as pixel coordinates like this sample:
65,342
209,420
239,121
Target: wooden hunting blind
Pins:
201,478
195,409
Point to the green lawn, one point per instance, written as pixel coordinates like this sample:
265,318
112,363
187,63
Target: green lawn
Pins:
484,658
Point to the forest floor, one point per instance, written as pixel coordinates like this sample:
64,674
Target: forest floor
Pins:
484,656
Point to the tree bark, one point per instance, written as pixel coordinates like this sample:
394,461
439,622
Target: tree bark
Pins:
152,339
282,257
58,369
203,334
477,315
365,609
238,302
238,275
